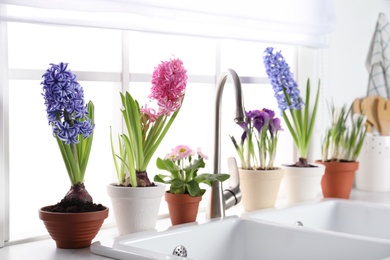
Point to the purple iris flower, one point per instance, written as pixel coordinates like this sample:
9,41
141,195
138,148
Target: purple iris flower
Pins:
261,144
243,137
270,112
275,126
260,119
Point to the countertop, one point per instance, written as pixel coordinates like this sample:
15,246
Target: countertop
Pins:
44,248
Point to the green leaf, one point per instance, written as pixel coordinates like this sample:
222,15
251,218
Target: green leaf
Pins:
119,170
142,143
193,188
177,187
167,165
156,139
208,178
84,147
154,132
302,126
162,178
313,117
67,162
198,163
345,142
130,160
70,162
291,129
131,117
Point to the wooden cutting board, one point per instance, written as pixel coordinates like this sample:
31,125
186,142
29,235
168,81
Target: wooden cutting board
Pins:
357,109
356,106
383,111
369,107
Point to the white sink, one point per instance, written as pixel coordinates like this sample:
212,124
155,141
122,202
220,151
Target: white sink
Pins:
336,215
235,238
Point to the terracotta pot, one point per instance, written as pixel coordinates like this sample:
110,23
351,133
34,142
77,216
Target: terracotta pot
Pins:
182,207
135,208
303,184
73,230
338,179
260,188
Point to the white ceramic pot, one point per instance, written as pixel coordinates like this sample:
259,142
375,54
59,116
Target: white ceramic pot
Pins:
135,209
260,189
374,164
303,184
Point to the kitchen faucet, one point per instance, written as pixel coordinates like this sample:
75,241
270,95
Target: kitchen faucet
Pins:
219,200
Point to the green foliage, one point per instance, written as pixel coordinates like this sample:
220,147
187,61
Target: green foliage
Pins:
257,149
137,146
76,156
343,142
302,124
185,180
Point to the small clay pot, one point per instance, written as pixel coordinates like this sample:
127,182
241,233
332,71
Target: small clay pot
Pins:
182,207
338,179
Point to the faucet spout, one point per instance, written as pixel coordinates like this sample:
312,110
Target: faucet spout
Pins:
220,200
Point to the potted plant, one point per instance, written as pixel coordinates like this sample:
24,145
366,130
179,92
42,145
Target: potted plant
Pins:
302,179
341,147
259,178
185,192
135,199
74,221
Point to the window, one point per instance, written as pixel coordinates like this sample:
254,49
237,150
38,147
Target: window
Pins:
37,174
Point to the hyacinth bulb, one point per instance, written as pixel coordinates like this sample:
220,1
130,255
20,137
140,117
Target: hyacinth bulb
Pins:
79,192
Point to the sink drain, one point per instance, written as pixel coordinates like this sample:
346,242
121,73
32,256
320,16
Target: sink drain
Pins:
298,223
180,251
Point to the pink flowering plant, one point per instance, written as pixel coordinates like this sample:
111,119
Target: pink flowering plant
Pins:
72,123
183,165
257,148
147,127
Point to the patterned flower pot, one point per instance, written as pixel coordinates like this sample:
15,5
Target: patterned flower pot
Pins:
374,164
182,207
135,209
73,230
260,188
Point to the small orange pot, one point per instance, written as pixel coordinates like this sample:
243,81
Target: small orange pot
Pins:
182,207
73,230
338,179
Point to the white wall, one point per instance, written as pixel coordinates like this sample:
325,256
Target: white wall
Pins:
349,45
341,66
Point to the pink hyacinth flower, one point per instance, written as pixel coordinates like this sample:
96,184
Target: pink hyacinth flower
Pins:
150,112
169,81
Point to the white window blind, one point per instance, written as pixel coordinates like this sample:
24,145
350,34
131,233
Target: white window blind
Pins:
299,22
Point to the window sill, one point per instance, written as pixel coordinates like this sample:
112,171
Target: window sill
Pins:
44,248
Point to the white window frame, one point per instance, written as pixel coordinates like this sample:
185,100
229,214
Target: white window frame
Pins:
4,138
7,74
